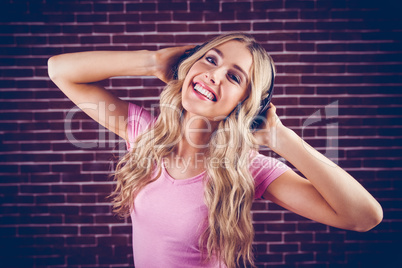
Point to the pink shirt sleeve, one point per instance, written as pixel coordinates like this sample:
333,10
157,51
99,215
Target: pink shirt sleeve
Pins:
265,170
138,121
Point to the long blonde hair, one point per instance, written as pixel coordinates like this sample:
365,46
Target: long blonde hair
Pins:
229,186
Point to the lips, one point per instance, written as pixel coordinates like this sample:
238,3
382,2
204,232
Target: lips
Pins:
205,92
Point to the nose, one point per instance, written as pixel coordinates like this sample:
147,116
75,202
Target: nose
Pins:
212,76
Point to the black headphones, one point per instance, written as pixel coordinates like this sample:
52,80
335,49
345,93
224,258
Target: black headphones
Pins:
260,118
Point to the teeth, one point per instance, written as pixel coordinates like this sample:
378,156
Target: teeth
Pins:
204,92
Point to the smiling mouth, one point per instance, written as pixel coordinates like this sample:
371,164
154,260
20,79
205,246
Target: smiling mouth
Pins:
207,94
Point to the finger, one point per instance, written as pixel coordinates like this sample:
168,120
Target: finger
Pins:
272,109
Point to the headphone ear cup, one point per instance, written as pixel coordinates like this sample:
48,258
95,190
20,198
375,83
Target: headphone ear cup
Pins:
264,106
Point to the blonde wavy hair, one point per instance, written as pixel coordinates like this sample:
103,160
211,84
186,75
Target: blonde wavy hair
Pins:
229,186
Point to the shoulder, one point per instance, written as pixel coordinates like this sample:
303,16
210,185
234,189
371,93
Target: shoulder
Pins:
262,163
138,120
265,170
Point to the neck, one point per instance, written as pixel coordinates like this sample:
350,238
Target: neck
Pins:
197,134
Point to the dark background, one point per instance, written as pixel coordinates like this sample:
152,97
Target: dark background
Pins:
338,85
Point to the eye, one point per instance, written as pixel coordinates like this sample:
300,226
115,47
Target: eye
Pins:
234,78
211,60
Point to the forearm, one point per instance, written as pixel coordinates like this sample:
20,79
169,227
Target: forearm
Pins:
341,191
93,66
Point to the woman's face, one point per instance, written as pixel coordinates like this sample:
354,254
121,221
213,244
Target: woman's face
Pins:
217,82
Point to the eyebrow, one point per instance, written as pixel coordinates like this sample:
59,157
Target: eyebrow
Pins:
235,66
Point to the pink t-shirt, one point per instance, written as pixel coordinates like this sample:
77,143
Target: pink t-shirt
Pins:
170,214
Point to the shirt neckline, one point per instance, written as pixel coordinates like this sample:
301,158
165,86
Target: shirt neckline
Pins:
193,179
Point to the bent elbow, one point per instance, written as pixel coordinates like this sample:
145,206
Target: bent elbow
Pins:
370,221
51,68
56,68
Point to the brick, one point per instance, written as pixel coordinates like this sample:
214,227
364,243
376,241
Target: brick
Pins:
292,237
181,16
31,40
219,16
127,39
270,258
267,26
94,230
242,15
14,28
268,237
97,188
235,26
82,198
267,216
80,240
172,6
39,29
69,7
299,25
57,18
76,29
207,6
300,47
278,15
108,28
32,230
107,219
119,17
155,17
158,38
269,5
92,18
50,260
65,188
141,7
315,14
65,210
72,177
108,7
81,219
44,178
171,27
34,189
299,4
194,39
96,167
143,27
108,259
280,227
80,260
284,248
63,230
95,209
49,199
299,257
94,39
311,226
236,6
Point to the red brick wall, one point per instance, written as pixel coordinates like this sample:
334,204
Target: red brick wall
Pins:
339,86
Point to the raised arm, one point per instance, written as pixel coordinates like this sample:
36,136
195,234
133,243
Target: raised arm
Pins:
76,73
329,195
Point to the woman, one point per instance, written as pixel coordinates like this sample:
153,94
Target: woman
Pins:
191,175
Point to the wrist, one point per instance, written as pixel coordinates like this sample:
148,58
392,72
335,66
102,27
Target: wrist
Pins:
282,139
154,66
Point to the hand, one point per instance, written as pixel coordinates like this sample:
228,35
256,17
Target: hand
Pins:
165,59
267,135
